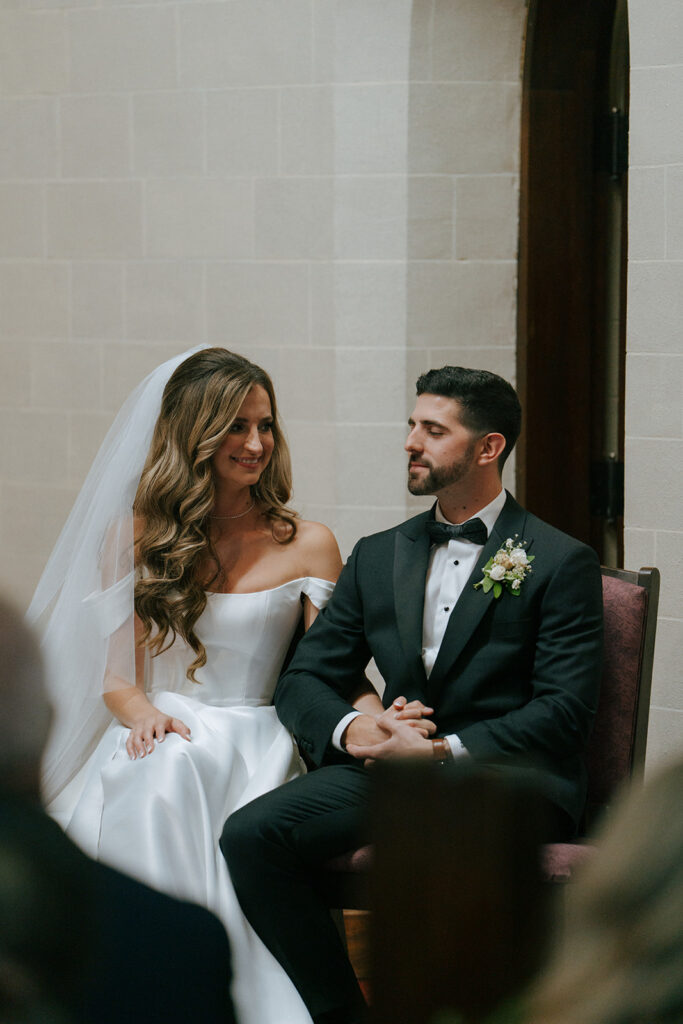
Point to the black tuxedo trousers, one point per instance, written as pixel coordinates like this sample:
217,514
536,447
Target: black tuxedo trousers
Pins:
275,848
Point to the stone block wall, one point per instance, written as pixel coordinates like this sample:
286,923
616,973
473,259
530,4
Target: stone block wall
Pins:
328,186
654,368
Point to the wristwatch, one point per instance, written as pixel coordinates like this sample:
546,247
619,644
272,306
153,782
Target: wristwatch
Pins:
441,750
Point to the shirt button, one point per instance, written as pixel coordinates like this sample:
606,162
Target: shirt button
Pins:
456,562
446,609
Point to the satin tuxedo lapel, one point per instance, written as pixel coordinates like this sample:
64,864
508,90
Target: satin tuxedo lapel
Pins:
411,558
472,604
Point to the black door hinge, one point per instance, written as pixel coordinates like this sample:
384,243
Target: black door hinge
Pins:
607,489
613,143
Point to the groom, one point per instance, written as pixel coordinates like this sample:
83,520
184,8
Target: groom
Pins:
511,669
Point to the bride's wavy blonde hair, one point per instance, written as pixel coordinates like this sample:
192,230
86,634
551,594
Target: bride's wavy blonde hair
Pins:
173,548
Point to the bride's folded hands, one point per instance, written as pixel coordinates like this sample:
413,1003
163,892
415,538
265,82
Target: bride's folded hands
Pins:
146,723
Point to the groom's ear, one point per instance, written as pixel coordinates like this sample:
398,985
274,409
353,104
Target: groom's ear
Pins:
491,448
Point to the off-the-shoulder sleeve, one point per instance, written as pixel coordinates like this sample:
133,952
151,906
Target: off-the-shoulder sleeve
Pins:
318,591
110,608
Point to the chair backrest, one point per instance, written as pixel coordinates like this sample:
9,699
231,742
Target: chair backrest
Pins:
616,750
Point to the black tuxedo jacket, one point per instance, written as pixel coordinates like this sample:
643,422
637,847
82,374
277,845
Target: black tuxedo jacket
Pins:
516,677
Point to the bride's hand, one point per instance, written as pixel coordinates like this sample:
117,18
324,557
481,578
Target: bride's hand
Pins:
153,726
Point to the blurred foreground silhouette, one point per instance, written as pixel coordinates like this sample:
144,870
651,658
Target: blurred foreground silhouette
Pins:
461,915
81,943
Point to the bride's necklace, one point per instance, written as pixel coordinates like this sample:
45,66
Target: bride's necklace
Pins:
239,514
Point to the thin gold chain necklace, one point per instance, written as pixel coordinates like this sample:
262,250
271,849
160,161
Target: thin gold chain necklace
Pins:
239,514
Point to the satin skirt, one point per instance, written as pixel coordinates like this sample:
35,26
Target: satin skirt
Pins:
159,819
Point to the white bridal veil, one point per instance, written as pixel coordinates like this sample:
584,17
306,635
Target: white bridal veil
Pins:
83,605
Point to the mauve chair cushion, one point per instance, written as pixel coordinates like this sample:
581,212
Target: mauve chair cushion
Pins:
560,860
355,861
610,747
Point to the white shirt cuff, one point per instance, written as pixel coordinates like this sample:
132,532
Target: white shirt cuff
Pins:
339,729
458,749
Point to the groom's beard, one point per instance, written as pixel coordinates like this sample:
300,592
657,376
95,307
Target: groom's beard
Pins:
438,477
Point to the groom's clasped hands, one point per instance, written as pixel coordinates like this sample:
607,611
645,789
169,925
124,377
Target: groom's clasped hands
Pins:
403,730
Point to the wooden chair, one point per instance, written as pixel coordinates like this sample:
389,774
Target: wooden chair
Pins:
616,750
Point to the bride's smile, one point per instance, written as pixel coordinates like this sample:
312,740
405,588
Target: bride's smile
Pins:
248,445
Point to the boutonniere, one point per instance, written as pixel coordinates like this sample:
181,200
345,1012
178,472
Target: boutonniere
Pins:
508,568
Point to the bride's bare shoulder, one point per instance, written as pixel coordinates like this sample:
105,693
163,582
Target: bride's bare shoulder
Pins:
318,550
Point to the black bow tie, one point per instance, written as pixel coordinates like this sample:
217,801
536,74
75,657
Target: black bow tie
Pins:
473,530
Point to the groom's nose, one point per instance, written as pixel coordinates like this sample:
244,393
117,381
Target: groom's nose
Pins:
413,443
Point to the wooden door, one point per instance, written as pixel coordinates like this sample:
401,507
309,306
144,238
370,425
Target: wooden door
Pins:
572,269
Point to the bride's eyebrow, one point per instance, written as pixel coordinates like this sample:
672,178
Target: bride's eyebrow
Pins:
243,419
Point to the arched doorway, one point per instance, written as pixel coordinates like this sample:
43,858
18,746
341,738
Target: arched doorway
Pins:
572,268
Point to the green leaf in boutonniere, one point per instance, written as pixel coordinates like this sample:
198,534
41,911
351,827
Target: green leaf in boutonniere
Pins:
507,569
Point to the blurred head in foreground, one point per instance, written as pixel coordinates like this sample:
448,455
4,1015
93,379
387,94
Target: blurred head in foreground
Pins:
43,937
24,710
621,960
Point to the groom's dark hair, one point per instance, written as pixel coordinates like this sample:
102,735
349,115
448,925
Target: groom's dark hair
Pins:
488,403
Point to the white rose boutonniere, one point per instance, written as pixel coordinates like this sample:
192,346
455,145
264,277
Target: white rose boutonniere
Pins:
507,569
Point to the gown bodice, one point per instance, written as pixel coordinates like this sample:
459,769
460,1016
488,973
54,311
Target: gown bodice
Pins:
246,637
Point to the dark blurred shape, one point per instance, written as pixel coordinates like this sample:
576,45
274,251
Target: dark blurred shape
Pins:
461,913
81,943
44,919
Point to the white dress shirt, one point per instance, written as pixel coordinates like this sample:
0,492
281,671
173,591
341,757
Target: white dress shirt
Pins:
450,567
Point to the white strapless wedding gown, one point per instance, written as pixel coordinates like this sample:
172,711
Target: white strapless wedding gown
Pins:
159,818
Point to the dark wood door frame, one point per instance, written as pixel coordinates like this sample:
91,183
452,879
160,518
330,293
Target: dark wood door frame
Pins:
563,262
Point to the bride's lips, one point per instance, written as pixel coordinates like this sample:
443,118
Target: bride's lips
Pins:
247,463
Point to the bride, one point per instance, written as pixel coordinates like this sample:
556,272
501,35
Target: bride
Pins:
169,603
